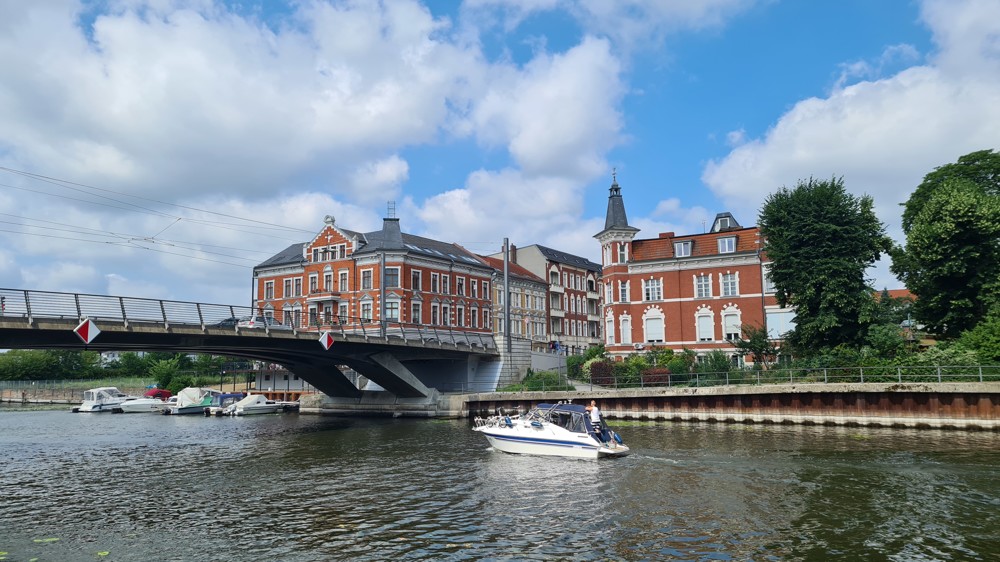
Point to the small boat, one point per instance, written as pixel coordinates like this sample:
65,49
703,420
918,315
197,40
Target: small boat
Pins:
254,404
562,430
103,399
222,403
152,402
192,400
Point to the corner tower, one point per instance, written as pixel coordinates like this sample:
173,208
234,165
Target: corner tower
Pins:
616,252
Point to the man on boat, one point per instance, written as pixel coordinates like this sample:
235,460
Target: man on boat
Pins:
595,421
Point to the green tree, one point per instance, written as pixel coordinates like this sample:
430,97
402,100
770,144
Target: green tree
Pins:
981,168
207,365
756,343
821,240
983,340
130,364
951,261
164,372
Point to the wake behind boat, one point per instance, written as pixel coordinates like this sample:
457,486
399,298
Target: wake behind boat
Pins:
563,430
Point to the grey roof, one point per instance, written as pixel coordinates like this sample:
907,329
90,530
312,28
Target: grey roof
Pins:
389,238
290,255
616,218
568,259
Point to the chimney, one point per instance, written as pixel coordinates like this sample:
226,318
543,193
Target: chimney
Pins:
666,235
513,253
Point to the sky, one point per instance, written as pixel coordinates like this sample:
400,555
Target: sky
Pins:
163,148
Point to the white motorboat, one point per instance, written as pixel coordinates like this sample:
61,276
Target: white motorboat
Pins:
192,400
254,404
103,399
223,403
562,430
151,402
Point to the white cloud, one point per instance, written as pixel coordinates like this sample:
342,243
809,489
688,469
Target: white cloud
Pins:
882,135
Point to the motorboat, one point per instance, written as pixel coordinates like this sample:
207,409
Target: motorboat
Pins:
254,404
103,399
222,403
152,402
192,400
562,430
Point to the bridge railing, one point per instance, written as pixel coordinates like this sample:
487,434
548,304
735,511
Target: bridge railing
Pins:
33,305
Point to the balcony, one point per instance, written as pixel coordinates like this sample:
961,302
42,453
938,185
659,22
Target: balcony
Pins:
556,288
557,312
323,296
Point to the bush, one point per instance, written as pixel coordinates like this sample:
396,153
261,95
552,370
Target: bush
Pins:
542,380
601,372
656,376
574,366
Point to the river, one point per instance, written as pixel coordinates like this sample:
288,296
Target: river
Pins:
311,488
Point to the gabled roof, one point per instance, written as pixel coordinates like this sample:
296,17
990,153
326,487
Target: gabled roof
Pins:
568,259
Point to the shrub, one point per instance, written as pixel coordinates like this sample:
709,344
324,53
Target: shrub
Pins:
601,372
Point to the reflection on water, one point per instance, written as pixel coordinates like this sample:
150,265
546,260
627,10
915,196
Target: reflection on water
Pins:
295,487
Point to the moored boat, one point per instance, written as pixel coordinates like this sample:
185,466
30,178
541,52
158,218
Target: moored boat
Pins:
152,402
192,400
102,399
563,430
254,404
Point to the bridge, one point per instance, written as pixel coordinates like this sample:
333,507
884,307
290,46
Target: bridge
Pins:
407,360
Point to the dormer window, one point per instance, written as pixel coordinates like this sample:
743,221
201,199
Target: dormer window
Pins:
727,245
723,223
682,249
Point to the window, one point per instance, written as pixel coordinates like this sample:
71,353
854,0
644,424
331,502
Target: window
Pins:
705,328
609,331
486,289
328,281
392,311
315,254
626,330
342,282
682,249
342,313
474,317
415,313
622,253
654,329
731,325
652,289
313,283
779,324
445,315
298,286
729,285
475,288
391,277
366,279
288,288
445,284
415,280
434,282
623,291
366,312
435,316
460,286
727,245
460,316
703,286
269,289
768,282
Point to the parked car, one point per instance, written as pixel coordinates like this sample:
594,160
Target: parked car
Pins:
256,321
228,322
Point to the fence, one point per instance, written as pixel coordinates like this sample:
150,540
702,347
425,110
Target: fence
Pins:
68,390
912,374
30,305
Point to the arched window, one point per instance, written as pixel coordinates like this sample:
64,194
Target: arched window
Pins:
626,322
609,330
705,325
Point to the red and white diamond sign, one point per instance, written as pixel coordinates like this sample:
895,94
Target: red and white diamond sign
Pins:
86,331
326,340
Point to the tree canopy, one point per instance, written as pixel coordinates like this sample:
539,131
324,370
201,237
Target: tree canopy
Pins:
981,168
951,260
820,240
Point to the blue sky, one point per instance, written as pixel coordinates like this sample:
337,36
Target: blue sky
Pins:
183,141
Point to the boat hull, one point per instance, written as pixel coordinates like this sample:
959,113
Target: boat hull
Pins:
577,446
141,406
253,410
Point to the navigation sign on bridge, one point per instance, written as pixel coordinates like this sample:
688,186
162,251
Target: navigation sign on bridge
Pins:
86,331
326,340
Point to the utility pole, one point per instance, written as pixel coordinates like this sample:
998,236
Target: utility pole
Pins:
506,293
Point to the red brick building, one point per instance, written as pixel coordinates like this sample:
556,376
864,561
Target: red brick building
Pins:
692,291
342,277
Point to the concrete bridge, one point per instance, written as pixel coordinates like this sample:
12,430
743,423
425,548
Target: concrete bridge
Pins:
407,360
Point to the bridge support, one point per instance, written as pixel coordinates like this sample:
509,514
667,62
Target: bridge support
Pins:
389,373
328,379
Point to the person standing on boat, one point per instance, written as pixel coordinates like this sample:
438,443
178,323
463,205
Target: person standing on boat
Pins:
595,420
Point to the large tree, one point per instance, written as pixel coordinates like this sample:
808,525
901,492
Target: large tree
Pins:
951,261
820,240
981,168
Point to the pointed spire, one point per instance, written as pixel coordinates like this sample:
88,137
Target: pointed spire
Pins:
616,217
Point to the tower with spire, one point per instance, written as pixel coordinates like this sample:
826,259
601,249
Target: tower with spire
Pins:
616,252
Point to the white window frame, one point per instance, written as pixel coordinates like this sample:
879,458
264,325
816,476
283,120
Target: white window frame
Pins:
682,249
727,245
703,286
652,289
729,284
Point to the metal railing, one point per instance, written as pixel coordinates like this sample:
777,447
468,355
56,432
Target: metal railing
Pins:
819,376
34,305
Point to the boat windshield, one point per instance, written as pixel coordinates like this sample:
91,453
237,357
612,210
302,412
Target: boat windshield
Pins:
571,421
